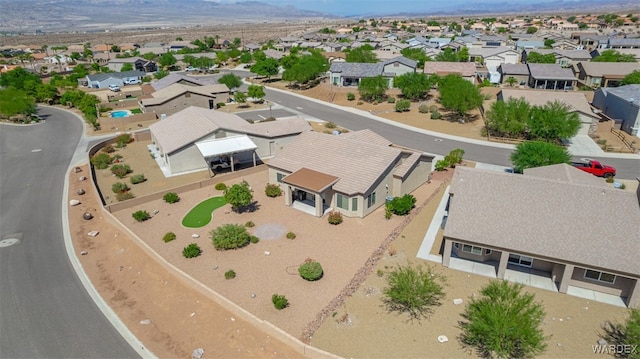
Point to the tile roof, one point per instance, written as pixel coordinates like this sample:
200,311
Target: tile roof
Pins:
193,123
550,218
514,69
368,136
575,100
357,164
465,69
118,75
170,92
310,179
599,69
571,54
175,78
550,72
357,69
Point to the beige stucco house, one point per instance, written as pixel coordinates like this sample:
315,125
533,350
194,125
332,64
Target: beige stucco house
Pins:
467,70
556,222
190,139
352,173
177,97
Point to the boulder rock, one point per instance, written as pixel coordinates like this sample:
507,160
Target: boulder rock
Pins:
87,216
74,202
93,233
197,353
80,191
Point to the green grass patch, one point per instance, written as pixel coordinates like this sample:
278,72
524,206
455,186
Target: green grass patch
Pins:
136,111
200,215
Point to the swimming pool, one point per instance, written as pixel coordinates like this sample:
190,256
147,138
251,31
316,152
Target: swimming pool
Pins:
120,114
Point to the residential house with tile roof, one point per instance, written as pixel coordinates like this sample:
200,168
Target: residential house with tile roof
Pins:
551,77
465,69
621,104
350,73
520,72
557,223
576,101
103,80
564,58
604,74
352,173
190,139
177,97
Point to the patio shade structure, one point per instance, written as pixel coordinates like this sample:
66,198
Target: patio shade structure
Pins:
227,146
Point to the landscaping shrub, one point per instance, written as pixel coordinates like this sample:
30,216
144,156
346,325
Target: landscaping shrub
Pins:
249,224
330,125
351,96
119,187
454,157
135,179
433,108
272,190
108,149
191,251
168,237
230,274
116,157
413,290
123,140
291,235
120,170
441,165
101,160
403,106
310,270
335,217
239,196
401,206
609,179
141,215
124,196
105,108
254,239
279,301
230,236
391,99
220,186
171,197
220,104
435,115
423,109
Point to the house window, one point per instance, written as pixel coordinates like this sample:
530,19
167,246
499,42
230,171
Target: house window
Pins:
472,249
354,204
520,260
599,276
279,177
342,201
371,200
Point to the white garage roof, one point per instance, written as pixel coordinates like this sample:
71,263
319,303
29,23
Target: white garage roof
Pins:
226,145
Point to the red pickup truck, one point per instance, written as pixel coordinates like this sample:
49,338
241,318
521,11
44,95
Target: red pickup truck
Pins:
595,168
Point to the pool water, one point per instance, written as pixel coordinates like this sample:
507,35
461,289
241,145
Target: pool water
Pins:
120,114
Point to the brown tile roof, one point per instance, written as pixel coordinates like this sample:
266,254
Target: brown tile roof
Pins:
407,165
368,136
598,69
465,69
310,179
575,100
358,164
194,123
551,218
170,92
565,173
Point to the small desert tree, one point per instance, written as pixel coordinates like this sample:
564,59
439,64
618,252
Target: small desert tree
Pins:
503,322
239,196
232,81
627,333
414,291
372,88
458,94
532,154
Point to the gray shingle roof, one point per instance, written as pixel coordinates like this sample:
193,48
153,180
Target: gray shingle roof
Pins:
513,69
629,93
357,69
358,164
118,75
550,72
552,218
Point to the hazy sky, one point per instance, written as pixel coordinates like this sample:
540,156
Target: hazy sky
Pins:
365,7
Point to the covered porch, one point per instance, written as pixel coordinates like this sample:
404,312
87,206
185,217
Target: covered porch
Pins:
231,147
309,191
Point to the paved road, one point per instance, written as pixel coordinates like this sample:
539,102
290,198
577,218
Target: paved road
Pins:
628,168
45,310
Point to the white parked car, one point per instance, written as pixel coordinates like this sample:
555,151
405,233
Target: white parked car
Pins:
132,82
190,68
114,88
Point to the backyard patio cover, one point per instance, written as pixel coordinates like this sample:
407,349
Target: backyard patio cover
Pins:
226,145
310,180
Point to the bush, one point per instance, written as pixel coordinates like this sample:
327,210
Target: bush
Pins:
454,157
272,190
351,96
171,197
335,217
168,237
310,270
625,333
441,165
191,251
230,236
119,187
254,239
391,99
123,140
291,235
423,109
249,224
141,215
124,196
239,196
435,115
220,104
101,160
108,149
230,274
120,170
433,108
504,322
609,179
220,186
413,290
403,106
135,179
402,205
279,301
330,125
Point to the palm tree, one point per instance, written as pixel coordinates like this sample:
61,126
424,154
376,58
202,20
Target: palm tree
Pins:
45,48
